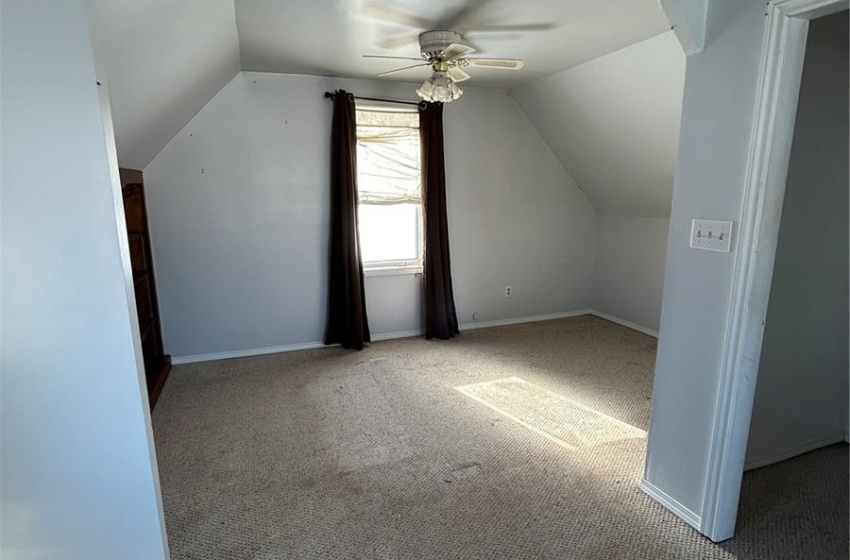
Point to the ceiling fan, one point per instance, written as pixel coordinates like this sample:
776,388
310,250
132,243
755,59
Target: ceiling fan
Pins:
442,46
446,54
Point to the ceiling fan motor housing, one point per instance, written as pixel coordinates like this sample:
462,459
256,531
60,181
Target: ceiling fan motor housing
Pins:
432,43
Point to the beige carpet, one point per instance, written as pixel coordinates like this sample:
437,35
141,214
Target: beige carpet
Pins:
519,442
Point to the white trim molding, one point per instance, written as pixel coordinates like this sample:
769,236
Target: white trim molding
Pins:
764,190
247,353
790,452
668,502
195,358
397,334
393,271
623,322
519,320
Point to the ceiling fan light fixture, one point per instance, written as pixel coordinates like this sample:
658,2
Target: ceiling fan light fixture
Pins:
439,88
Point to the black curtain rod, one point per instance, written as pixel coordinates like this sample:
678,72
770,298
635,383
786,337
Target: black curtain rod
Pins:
420,104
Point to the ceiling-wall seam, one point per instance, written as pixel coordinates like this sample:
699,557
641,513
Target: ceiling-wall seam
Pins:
201,108
594,59
195,114
238,38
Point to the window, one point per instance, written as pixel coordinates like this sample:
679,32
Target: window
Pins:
388,187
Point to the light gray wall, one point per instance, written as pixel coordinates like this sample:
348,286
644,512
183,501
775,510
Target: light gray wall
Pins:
163,60
717,114
516,217
801,393
78,479
239,218
630,254
687,18
614,124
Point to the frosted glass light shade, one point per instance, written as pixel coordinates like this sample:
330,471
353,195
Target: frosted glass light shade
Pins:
439,88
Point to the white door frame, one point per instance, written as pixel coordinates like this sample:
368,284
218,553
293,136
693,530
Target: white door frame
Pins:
767,168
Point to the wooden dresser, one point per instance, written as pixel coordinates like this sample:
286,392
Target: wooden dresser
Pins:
157,362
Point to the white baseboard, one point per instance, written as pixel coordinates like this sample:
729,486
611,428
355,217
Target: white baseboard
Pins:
623,322
406,334
279,349
245,353
665,500
792,452
518,320
398,334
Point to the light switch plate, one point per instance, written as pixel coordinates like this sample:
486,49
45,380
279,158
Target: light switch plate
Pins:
711,235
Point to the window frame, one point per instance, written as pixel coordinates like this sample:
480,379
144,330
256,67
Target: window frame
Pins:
392,267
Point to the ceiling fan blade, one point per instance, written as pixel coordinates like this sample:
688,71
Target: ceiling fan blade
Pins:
494,36
495,63
392,14
485,28
393,57
400,69
399,40
456,50
457,74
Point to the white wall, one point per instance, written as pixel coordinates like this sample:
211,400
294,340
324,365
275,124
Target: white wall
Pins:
614,124
717,114
516,217
801,393
238,205
630,256
164,60
79,479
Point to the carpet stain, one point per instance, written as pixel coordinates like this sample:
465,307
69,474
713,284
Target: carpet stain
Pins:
468,470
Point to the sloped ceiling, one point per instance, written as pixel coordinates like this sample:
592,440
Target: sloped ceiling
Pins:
688,19
614,124
163,60
330,37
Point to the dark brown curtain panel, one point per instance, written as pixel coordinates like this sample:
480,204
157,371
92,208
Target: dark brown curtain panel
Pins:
347,324
440,315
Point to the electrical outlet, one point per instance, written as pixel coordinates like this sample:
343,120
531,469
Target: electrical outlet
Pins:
475,315
711,235
509,292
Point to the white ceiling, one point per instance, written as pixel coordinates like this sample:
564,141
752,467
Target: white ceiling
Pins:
164,59
329,37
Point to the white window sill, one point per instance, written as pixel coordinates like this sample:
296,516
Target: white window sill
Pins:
392,270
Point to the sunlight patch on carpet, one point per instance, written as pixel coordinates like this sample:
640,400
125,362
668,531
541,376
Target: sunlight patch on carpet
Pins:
558,419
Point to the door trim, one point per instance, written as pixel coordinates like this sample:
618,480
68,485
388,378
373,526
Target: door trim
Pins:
778,89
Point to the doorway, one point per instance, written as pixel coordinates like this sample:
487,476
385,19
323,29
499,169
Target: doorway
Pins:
801,400
780,78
